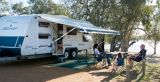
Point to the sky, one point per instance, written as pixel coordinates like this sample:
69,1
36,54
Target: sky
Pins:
25,1
152,2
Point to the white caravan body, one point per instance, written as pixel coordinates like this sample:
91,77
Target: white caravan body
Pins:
40,34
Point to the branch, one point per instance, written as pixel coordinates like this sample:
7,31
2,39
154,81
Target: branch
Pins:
140,29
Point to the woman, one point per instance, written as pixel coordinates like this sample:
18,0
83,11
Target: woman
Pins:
97,54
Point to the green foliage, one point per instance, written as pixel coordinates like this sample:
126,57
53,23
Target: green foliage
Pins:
47,7
3,6
146,20
19,8
41,6
108,39
60,10
121,15
154,32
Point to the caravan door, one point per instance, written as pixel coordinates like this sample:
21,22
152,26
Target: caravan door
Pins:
44,38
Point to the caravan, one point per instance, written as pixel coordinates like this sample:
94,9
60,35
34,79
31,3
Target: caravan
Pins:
47,35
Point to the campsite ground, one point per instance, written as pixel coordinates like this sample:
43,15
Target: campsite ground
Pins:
38,70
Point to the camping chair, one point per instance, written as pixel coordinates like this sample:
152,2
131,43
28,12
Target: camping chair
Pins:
107,58
99,58
143,59
139,63
120,65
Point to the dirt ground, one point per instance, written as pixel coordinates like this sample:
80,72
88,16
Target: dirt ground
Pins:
38,71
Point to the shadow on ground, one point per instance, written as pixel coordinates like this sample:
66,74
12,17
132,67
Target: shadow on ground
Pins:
153,60
34,70
153,72
108,75
39,70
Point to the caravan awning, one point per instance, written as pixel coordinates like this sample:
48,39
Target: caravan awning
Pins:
84,26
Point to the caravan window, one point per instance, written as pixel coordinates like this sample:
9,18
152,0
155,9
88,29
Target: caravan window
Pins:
44,24
60,26
87,38
74,32
44,36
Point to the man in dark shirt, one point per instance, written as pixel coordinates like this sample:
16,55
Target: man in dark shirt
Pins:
139,56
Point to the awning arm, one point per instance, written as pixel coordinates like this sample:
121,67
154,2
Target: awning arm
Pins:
63,35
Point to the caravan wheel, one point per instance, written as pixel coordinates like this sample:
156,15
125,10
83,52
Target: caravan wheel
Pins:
74,54
66,54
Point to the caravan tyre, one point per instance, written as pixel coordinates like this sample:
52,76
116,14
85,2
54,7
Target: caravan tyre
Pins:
74,54
66,54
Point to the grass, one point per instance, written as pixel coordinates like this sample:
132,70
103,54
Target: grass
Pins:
152,73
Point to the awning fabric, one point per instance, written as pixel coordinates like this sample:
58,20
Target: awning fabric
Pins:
84,26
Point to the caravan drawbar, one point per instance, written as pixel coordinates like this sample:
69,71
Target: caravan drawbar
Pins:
47,35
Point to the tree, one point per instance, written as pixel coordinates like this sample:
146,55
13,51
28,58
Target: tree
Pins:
121,15
3,6
41,6
154,34
47,7
134,12
98,12
18,8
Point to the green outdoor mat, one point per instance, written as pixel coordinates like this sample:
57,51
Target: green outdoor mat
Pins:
75,64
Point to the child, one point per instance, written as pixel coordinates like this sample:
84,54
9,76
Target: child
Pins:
119,61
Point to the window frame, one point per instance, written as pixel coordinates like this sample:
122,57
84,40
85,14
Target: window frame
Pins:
43,36
43,24
73,32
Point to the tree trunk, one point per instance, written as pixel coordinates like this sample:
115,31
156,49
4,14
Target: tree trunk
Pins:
114,44
128,79
112,47
132,43
99,39
155,46
124,45
156,38
102,43
143,67
126,37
